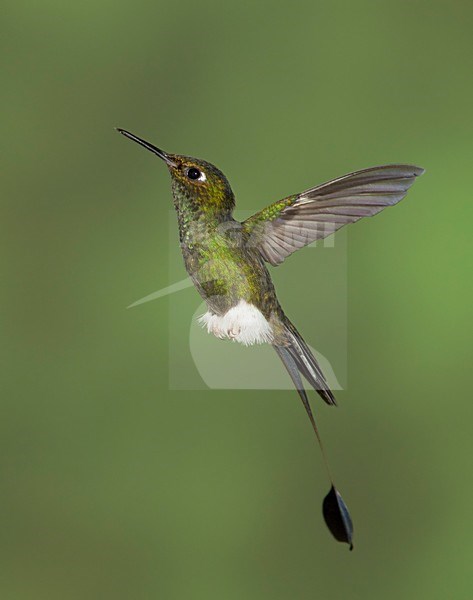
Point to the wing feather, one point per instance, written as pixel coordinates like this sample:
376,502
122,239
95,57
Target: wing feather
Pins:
285,226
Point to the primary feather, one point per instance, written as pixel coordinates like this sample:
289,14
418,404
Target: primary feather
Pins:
294,222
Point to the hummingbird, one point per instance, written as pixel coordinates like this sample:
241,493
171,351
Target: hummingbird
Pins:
227,262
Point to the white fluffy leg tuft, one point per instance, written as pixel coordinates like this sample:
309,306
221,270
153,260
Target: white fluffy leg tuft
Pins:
243,323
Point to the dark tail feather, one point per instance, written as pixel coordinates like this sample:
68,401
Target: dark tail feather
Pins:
306,363
335,510
291,366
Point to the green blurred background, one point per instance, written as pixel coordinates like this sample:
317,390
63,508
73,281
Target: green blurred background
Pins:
112,484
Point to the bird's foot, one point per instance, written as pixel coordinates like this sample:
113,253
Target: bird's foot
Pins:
233,332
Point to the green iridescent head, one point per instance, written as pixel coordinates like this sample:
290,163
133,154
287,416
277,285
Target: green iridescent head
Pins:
193,180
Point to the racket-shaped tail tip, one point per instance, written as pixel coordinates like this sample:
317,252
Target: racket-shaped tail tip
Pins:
337,517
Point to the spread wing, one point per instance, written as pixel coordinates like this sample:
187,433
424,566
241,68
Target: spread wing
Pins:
285,226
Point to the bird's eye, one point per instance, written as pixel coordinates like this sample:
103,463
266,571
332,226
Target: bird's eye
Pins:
194,173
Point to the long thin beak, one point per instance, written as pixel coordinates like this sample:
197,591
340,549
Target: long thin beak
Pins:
148,146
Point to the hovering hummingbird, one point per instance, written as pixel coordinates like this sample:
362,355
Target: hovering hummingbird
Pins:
226,260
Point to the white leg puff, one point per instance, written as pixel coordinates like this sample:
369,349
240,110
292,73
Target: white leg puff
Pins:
243,323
